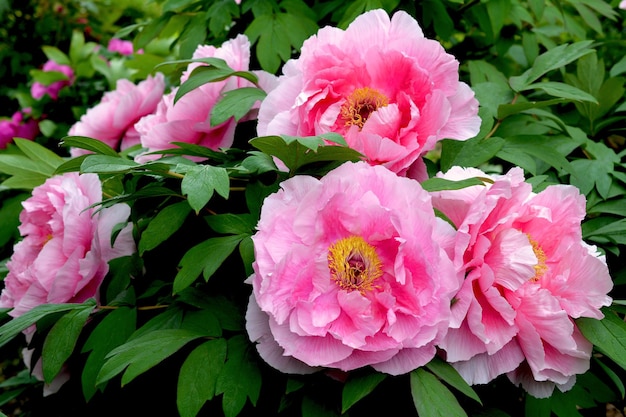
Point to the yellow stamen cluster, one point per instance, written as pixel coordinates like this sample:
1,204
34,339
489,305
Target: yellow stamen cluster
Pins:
354,264
360,104
541,268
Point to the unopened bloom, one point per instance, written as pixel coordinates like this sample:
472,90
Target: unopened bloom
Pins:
64,254
38,90
350,271
387,89
528,275
189,120
113,120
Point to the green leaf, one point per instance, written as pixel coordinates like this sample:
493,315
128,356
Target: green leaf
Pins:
90,144
201,181
198,376
38,153
207,74
537,407
47,77
235,103
107,164
54,54
194,34
61,339
448,374
614,232
608,335
554,58
562,90
11,329
273,45
230,223
297,152
204,258
151,30
432,398
515,147
357,388
470,153
10,210
239,379
613,377
440,184
114,329
163,225
505,110
144,352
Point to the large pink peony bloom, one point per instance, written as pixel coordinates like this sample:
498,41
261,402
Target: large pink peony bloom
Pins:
528,274
390,91
350,272
63,256
38,90
112,121
16,127
189,119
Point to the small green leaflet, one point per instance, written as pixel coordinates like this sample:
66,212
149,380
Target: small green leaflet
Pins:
201,181
163,225
61,340
432,398
143,353
608,335
198,376
11,329
204,258
357,388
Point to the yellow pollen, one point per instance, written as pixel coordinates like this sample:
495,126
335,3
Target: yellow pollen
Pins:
541,267
354,264
360,104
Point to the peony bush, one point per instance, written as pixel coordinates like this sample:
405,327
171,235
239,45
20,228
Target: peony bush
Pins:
273,208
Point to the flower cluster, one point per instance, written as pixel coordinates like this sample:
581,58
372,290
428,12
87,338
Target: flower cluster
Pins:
359,262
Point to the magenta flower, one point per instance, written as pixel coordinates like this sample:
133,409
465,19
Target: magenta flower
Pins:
112,121
387,89
16,127
64,254
528,275
38,90
189,120
350,271
120,46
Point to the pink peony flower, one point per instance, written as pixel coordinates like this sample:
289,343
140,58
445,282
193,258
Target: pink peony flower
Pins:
112,120
38,90
64,254
350,272
121,46
528,275
387,89
622,4
16,127
189,120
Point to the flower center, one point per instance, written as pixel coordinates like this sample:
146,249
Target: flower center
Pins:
354,264
360,104
541,267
